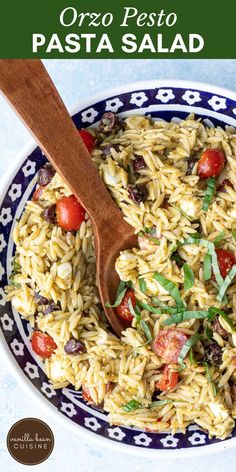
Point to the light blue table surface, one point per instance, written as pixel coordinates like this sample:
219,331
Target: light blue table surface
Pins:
76,80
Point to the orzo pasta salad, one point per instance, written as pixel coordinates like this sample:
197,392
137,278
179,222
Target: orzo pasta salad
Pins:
175,364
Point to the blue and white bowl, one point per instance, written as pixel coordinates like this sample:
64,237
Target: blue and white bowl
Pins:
168,100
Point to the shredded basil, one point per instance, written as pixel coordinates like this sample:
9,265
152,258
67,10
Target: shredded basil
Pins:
219,238
158,403
234,233
207,267
226,282
142,284
150,308
170,287
211,250
134,311
13,282
184,316
186,348
132,405
150,232
122,287
188,277
216,311
192,357
211,183
208,333
182,212
142,323
146,330
209,378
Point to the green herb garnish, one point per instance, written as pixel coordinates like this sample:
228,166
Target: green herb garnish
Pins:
226,282
208,333
207,267
188,277
121,291
142,284
146,330
150,308
132,405
211,184
185,316
234,233
219,238
186,348
182,212
211,250
158,403
209,378
213,311
170,287
150,232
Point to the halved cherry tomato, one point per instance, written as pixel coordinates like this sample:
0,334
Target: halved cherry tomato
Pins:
211,163
43,344
88,139
86,395
123,309
169,343
226,260
37,194
168,380
70,214
222,187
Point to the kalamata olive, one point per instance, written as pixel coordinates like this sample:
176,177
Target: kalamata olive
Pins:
138,193
40,300
213,353
107,149
74,346
99,407
45,175
50,214
191,163
222,187
110,122
156,394
217,328
178,259
139,164
165,204
51,307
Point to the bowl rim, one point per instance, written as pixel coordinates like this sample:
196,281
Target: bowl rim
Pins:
8,356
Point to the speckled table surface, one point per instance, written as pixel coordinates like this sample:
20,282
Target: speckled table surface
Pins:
76,80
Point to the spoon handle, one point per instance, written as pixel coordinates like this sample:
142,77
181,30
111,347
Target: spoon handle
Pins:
31,92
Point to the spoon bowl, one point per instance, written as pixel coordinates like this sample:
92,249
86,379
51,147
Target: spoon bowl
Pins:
31,92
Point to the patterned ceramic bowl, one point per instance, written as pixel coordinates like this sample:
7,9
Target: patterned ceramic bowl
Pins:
169,100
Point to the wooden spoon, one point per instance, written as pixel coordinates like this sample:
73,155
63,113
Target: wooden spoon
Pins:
31,92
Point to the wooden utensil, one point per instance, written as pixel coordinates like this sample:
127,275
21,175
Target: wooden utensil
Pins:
31,92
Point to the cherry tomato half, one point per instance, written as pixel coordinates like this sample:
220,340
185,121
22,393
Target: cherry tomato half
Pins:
43,344
226,260
37,194
88,139
168,380
168,344
211,163
70,214
123,309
